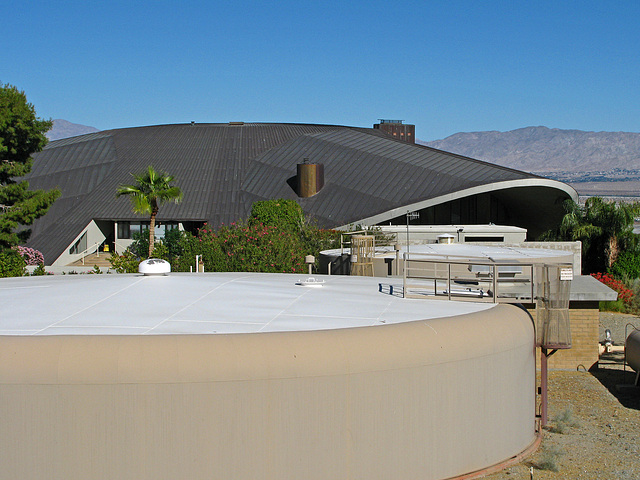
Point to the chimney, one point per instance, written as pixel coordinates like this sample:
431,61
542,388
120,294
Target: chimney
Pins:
310,178
397,129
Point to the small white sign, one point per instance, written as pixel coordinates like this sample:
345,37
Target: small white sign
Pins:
566,274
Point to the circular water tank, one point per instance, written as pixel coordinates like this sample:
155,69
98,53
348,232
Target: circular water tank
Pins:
248,375
632,350
154,266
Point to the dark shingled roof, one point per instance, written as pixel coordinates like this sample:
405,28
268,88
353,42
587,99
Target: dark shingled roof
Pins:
223,168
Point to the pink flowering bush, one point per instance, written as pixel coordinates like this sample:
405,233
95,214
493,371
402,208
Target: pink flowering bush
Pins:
244,248
254,248
31,256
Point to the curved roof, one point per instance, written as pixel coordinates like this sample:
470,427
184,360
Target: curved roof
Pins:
224,168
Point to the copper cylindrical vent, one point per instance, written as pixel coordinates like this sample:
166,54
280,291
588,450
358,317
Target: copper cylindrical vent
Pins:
310,179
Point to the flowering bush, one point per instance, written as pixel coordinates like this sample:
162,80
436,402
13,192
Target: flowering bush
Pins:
253,248
625,294
244,248
31,256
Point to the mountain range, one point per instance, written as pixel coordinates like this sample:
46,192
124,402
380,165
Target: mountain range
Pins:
64,129
550,151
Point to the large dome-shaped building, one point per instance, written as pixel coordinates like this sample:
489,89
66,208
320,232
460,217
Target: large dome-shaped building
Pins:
358,176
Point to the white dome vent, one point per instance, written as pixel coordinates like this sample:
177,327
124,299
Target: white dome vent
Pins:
154,266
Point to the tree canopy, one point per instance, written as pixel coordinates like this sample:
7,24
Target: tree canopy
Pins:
150,190
21,135
604,228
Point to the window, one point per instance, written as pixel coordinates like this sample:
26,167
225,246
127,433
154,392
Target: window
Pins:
469,238
126,230
80,246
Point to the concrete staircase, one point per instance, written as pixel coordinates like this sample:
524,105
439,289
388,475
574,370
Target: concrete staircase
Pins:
101,260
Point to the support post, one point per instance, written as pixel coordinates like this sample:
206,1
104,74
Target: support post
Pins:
544,372
543,387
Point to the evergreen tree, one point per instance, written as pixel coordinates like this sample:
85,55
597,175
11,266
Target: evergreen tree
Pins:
21,135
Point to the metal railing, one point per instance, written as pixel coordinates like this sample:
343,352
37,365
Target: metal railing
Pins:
345,239
95,248
381,241
117,244
461,278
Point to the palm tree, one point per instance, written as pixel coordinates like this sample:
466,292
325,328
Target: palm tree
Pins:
615,221
603,227
151,190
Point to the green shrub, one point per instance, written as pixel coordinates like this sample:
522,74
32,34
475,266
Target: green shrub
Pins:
243,248
11,264
616,306
125,263
96,270
314,240
39,270
635,288
160,250
627,265
140,245
166,248
280,213
624,303
173,241
253,248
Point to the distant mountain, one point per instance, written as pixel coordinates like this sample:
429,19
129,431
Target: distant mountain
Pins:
63,129
550,150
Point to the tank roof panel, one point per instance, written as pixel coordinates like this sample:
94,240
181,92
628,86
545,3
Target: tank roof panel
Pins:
209,303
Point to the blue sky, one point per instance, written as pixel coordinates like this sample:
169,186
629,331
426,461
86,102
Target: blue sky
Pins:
446,66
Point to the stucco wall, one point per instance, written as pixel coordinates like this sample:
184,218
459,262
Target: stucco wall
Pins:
94,238
423,399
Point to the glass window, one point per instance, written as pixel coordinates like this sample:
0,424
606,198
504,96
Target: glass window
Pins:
80,246
159,231
135,228
124,230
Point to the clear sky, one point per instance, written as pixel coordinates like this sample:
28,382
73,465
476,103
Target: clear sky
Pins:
446,66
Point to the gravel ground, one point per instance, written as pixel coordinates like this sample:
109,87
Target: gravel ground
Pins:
618,323
594,428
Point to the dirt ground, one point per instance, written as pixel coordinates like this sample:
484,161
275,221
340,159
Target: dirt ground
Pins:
594,427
